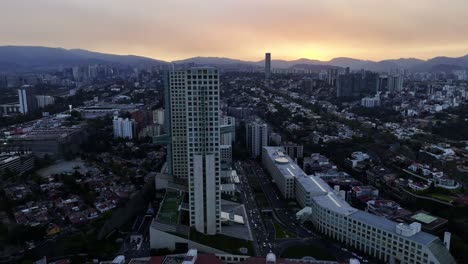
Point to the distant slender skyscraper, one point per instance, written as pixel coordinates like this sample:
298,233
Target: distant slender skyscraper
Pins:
195,133
267,65
332,75
27,100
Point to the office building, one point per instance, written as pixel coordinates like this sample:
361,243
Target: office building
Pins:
357,84
383,239
123,128
140,119
158,116
267,65
383,83
228,130
51,137
256,137
332,76
294,150
395,83
370,102
16,162
281,168
309,85
11,108
27,101
195,137
152,130
44,100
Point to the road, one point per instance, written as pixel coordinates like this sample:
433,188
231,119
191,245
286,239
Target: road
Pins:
281,213
283,216
260,235
137,244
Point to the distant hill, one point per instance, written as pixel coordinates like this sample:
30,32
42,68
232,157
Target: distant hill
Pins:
443,64
314,67
211,61
28,58
427,67
348,62
283,64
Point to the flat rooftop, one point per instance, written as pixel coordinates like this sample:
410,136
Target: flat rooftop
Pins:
429,222
284,163
334,203
319,190
424,218
169,211
390,226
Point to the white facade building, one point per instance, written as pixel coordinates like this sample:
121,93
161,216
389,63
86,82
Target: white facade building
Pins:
27,101
195,132
228,123
370,101
123,128
357,157
282,169
257,137
158,116
44,100
379,237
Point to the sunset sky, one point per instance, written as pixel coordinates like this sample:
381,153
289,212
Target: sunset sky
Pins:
242,29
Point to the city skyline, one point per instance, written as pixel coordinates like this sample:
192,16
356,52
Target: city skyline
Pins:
297,29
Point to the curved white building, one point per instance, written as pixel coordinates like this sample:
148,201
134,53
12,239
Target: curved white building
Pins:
331,215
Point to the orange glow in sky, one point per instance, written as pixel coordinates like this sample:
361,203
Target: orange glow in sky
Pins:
242,29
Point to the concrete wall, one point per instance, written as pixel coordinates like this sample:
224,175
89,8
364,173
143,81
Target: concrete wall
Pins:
161,239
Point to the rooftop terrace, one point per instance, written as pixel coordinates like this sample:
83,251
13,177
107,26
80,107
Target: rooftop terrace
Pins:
170,207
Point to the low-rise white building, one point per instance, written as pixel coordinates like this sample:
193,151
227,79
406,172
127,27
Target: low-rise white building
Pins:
370,101
282,169
357,157
16,162
376,236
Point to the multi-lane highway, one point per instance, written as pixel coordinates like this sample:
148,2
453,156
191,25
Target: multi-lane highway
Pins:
281,213
264,232
260,233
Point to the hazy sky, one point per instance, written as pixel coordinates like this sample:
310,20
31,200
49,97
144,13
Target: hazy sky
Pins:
244,29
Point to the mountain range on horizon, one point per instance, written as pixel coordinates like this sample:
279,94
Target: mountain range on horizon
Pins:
34,58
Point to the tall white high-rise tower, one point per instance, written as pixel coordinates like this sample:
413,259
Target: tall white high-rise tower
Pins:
195,136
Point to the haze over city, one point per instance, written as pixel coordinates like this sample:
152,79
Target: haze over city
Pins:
171,30
233,132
